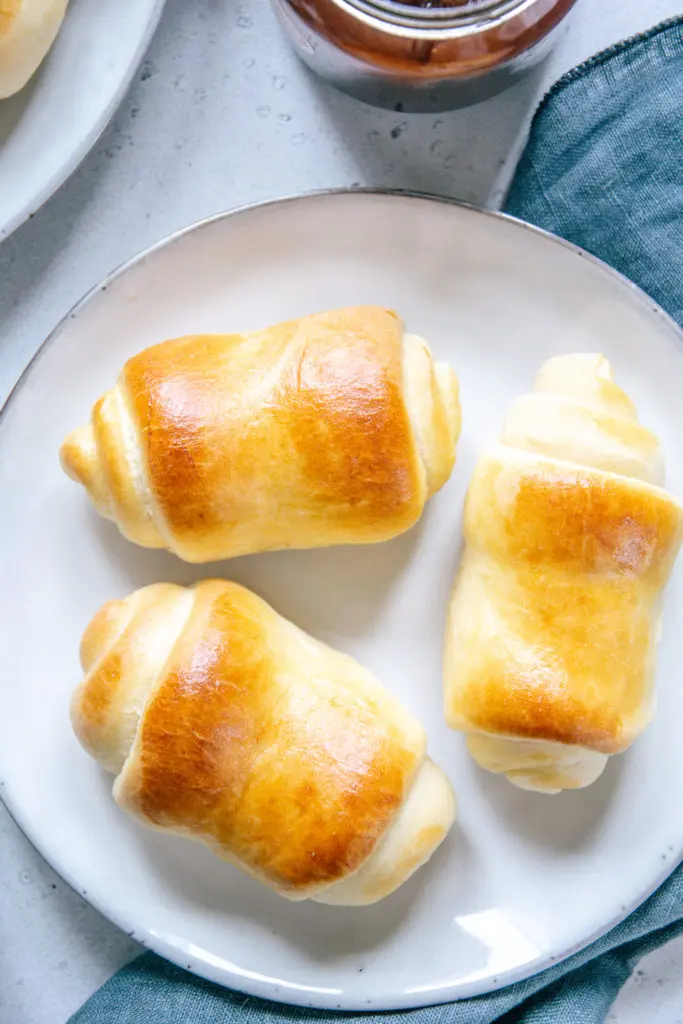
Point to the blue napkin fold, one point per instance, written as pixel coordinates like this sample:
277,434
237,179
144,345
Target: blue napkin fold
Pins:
604,163
604,169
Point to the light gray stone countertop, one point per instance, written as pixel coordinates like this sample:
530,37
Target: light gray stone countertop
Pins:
221,115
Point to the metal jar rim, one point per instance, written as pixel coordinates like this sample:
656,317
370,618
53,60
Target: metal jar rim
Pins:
475,14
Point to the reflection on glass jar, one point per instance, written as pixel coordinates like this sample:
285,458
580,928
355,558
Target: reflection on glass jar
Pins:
422,54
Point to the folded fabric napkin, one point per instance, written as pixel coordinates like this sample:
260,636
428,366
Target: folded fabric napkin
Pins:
604,169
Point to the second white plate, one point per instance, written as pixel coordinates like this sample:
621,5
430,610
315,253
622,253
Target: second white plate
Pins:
47,128
523,879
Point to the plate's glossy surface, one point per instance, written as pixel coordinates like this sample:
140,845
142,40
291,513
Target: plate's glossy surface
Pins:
47,128
523,879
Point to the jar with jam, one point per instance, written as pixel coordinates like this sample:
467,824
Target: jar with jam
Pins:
422,54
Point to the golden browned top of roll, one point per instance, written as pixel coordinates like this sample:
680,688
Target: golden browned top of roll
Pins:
331,429
570,541
226,723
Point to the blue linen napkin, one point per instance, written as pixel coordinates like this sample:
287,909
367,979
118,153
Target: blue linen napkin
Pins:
604,169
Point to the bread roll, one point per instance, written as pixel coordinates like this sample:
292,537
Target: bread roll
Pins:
225,723
27,31
333,429
554,618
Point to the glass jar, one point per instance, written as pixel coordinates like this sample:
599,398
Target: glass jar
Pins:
422,54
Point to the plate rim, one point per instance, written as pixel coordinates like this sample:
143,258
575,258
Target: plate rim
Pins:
313,194
69,166
260,986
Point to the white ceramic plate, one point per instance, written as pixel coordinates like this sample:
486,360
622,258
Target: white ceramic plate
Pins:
47,128
523,879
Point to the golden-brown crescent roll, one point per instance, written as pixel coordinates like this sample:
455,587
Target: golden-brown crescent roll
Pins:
333,429
223,722
27,31
554,619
